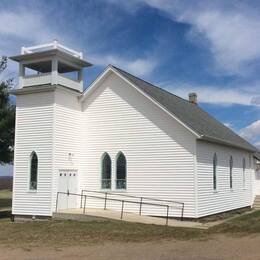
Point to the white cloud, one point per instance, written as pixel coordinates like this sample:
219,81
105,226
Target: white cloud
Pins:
231,35
213,94
22,25
257,144
139,67
252,132
227,124
230,31
29,26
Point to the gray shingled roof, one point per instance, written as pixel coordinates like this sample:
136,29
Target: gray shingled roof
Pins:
190,114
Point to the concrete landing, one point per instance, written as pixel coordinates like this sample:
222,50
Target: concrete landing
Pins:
100,214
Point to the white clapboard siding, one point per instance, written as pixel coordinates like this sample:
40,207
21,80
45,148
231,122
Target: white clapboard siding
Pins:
67,137
159,151
34,121
224,199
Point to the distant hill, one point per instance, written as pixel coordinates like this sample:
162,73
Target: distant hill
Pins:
6,183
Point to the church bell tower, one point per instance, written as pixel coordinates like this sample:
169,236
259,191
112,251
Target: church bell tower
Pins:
51,64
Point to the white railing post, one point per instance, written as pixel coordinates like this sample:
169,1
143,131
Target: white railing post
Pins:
80,79
21,74
54,71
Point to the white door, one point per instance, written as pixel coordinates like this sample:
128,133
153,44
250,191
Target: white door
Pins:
68,185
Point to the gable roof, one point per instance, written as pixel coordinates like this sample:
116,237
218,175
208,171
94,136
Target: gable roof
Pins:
205,125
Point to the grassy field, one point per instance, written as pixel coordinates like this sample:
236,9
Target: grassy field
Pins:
61,233
5,199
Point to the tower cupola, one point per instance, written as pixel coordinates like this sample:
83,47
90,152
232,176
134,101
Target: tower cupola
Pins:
51,64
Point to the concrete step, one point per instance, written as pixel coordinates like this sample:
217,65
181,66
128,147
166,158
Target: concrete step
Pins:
256,204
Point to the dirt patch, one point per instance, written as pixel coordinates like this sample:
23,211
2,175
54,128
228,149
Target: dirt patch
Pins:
219,247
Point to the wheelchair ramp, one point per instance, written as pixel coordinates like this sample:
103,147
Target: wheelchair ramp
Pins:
101,215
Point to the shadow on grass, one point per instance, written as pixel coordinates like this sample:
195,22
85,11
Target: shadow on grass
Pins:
5,214
5,202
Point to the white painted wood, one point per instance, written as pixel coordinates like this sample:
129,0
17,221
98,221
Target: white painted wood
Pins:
34,126
164,158
52,77
159,150
67,138
68,183
110,70
67,82
224,199
48,46
47,78
35,80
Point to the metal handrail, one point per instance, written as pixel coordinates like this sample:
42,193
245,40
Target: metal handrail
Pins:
122,201
138,197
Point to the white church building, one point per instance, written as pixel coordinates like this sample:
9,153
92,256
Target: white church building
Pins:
123,136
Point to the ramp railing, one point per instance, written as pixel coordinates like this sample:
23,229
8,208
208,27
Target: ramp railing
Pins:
123,202
139,199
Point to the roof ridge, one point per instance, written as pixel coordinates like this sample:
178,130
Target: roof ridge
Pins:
199,130
155,86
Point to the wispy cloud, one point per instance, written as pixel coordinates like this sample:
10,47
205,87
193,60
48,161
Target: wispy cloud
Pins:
230,30
257,144
26,26
139,66
252,132
215,94
31,26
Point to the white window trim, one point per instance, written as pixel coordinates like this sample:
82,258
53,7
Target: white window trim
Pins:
115,175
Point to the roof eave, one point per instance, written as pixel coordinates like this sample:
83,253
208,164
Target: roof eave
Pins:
220,141
42,54
41,88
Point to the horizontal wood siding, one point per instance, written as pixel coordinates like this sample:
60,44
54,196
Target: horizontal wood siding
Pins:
159,151
34,121
224,199
67,136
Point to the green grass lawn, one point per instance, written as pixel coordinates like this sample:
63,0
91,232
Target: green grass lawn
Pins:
61,233
245,224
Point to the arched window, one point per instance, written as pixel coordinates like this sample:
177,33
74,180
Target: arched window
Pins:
215,160
106,171
120,171
33,171
244,172
231,172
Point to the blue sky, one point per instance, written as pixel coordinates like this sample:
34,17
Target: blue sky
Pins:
210,47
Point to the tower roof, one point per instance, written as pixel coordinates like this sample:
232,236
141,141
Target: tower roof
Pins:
44,51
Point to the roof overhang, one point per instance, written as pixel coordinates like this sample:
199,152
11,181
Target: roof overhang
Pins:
41,88
29,57
219,141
